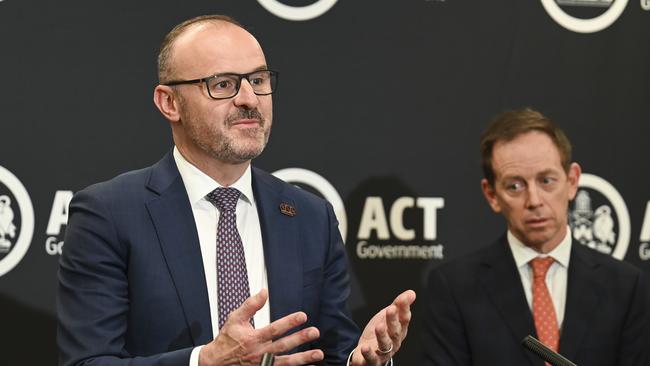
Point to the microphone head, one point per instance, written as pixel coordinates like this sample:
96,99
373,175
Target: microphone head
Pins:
532,344
268,359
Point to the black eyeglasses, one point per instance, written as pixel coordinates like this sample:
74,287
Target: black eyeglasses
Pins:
224,86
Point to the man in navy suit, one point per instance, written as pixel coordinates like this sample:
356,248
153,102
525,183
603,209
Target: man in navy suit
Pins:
141,281
589,307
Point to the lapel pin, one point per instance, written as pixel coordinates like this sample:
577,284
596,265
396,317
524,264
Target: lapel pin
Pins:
287,209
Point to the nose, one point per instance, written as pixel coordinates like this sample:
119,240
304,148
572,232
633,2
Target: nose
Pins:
246,97
533,200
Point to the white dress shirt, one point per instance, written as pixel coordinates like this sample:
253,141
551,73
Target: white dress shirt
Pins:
206,217
556,277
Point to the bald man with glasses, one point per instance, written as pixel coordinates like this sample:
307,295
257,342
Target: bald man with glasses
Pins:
202,259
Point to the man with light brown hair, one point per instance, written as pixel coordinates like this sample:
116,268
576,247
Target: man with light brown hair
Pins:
534,280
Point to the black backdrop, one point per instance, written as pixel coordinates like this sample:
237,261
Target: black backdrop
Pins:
384,100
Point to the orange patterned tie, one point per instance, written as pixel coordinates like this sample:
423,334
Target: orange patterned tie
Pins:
548,331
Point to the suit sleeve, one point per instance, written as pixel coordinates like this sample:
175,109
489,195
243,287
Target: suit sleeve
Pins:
635,339
444,334
93,291
339,334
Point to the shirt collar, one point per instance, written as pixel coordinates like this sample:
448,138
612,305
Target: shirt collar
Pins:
524,254
199,184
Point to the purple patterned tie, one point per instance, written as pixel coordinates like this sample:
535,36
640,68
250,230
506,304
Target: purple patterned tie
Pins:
232,278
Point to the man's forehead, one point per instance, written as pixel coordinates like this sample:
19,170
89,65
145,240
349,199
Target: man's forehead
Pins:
532,153
216,44
529,144
211,30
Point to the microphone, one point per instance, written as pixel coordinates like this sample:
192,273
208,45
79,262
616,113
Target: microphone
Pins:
532,344
268,359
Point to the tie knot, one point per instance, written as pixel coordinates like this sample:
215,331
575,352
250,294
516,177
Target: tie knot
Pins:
224,198
541,266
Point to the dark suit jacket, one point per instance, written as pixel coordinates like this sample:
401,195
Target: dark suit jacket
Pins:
131,281
476,311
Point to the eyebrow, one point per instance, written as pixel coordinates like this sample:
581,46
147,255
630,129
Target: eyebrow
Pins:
259,68
519,177
548,171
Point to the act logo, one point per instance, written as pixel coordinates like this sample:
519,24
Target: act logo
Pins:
16,221
406,230
297,13
599,218
58,221
303,177
614,9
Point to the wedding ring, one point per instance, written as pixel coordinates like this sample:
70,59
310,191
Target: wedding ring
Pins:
385,352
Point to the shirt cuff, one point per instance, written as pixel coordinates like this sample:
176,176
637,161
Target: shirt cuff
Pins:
389,363
194,356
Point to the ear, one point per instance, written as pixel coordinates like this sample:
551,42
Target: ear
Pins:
165,99
573,178
490,195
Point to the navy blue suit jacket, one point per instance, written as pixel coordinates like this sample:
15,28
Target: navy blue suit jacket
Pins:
476,311
131,281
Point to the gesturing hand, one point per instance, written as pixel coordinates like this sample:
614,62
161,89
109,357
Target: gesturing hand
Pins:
383,335
238,343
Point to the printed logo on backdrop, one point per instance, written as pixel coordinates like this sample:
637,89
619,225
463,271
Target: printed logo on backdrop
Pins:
297,13
644,247
599,218
404,228
645,5
58,220
603,13
391,221
16,221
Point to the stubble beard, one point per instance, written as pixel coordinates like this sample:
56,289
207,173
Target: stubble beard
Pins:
222,143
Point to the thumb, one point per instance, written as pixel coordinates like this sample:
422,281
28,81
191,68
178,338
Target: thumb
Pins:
406,298
251,306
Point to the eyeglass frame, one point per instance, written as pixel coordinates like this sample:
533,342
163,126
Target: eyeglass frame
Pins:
238,86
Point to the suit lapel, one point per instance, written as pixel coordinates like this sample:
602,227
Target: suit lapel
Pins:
173,220
503,286
282,252
581,301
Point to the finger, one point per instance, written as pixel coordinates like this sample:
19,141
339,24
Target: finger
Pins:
405,299
251,306
294,340
281,326
393,325
369,356
403,303
384,342
300,358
